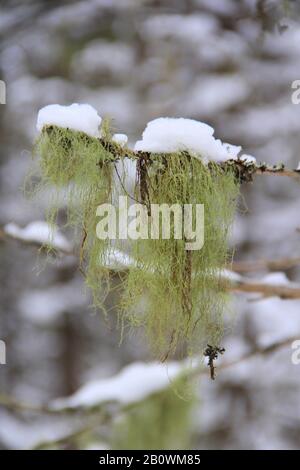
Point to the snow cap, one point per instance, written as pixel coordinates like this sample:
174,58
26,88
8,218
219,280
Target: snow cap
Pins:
168,135
79,117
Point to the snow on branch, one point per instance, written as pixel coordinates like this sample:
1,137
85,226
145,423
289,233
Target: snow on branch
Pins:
161,136
118,260
79,117
133,384
89,396
37,233
273,285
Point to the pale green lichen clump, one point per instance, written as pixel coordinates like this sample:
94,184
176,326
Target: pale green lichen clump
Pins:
176,295
183,292
79,169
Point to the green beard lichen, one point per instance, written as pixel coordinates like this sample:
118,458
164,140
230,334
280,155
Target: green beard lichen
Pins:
178,296
162,421
79,166
80,169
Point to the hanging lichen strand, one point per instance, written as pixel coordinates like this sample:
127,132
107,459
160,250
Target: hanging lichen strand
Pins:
183,292
79,168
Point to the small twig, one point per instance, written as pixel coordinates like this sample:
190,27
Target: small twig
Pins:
212,353
82,247
259,351
271,265
123,187
284,291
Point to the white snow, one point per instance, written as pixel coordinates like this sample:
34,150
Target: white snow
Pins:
248,159
120,139
178,134
230,275
46,307
96,59
79,117
193,28
274,320
118,259
213,94
133,384
276,279
39,232
298,167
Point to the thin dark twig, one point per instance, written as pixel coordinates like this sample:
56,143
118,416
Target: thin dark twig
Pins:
124,189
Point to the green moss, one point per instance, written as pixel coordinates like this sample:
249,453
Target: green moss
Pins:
177,295
162,421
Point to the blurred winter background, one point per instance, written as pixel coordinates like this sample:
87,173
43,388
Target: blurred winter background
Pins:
228,63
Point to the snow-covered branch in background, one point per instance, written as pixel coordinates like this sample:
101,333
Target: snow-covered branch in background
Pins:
133,384
38,233
127,389
272,285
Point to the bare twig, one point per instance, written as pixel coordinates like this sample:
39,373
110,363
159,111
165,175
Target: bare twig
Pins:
271,265
259,351
284,291
279,172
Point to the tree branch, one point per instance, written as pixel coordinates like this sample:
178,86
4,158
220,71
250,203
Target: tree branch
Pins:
284,291
271,265
245,171
4,236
